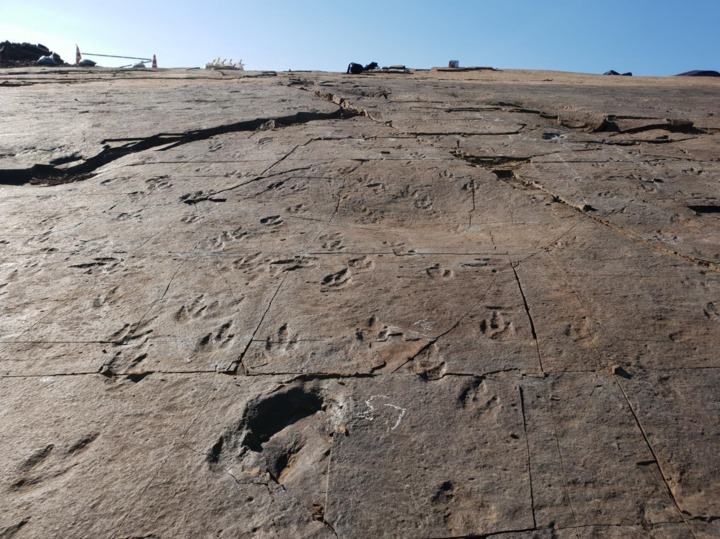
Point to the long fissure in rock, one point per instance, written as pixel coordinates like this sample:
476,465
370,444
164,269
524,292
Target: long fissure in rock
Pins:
587,210
527,312
663,476
529,457
54,175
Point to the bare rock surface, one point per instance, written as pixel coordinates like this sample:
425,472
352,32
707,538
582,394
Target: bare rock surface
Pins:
390,305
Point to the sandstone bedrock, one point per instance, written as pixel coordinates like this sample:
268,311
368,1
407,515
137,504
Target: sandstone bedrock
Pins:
429,305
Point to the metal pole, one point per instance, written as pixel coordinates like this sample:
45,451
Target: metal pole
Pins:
113,56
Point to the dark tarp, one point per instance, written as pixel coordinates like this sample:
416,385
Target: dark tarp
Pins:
46,61
356,69
613,72
699,73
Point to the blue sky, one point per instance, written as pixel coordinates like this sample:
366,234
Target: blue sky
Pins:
647,37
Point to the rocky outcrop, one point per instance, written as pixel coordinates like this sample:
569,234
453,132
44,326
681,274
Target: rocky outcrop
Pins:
24,54
430,305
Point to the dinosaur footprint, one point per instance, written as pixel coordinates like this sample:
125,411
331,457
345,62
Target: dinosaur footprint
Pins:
337,280
362,263
220,242
282,341
196,309
332,242
422,203
436,272
220,338
496,327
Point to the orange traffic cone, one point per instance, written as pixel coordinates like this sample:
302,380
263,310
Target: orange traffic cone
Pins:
154,62
77,55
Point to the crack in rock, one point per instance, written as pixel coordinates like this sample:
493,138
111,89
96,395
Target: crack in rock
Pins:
44,174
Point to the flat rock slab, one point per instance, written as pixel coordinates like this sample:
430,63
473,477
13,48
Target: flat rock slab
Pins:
447,304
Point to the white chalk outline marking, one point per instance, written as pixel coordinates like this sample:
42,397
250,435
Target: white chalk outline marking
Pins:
424,324
367,414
